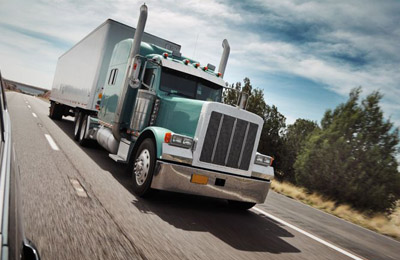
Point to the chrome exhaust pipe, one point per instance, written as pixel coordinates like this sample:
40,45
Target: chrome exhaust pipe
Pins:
224,58
137,39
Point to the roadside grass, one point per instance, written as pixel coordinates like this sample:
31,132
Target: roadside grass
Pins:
385,224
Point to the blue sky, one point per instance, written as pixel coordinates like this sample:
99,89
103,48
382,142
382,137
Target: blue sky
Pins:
305,55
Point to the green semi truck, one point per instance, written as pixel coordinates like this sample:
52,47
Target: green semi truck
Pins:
162,114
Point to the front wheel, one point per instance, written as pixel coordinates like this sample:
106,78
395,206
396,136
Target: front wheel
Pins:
241,205
143,168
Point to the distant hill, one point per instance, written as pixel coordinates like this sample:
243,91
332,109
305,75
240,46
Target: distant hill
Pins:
24,88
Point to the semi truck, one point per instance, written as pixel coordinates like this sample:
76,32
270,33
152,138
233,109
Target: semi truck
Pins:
161,113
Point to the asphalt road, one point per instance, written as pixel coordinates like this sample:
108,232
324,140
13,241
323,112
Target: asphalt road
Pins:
77,204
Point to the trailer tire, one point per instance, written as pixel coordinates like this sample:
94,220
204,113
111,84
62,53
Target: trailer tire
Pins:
240,205
82,132
77,125
56,111
143,165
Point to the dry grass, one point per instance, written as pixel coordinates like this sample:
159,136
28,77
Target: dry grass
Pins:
385,224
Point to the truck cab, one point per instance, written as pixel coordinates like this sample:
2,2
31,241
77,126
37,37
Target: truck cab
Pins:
174,105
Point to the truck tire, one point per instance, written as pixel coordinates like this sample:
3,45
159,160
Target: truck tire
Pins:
77,125
143,168
241,205
82,132
56,111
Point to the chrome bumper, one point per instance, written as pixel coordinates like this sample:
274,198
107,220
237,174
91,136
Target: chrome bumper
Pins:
177,178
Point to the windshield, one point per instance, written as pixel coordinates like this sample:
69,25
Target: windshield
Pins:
185,85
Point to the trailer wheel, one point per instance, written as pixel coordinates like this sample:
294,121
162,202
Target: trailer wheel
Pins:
241,205
143,168
78,125
82,132
56,110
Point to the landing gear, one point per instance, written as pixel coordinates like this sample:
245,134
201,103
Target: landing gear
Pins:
82,132
56,111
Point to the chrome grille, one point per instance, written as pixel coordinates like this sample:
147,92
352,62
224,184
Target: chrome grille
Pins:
229,141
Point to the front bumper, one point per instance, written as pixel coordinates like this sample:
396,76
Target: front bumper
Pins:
177,178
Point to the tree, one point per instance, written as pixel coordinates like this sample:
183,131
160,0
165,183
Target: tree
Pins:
272,137
294,140
352,158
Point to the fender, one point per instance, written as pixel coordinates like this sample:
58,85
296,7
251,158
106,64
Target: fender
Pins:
157,133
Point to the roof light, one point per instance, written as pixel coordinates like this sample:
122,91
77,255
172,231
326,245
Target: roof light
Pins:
186,62
205,68
196,65
165,54
219,74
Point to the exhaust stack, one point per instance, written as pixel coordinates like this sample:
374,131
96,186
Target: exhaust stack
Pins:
137,39
224,58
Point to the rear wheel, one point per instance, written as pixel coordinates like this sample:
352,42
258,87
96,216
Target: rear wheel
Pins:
77,122
241,205
82,132
143,168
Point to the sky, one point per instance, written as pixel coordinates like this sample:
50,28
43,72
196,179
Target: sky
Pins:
305,55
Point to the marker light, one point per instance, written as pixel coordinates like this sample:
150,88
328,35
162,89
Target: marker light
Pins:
205,68
186,62
165,54
197,65
167,137
219,74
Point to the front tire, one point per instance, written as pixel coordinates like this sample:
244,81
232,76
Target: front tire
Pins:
143,168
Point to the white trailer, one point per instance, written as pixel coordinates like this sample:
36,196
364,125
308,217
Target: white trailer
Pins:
81,71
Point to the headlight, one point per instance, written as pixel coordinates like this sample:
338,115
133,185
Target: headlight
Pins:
263,160
179,140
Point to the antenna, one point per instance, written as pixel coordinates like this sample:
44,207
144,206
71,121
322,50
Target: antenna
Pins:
195,46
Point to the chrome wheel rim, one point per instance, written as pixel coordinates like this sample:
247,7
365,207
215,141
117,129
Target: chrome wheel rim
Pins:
142,167
78,121
83,129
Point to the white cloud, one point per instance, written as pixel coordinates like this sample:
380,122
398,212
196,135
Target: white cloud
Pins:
259,42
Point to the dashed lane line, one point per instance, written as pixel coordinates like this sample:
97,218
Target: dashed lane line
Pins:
34,115
52,144
338,249
29,106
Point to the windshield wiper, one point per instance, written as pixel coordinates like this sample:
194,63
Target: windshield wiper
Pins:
178,93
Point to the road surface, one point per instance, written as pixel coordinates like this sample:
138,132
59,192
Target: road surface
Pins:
77,204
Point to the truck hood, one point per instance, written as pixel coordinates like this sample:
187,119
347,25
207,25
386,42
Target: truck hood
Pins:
180,115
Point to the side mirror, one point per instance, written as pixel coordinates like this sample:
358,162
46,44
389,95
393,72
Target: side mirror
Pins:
29,251
243,98
134,81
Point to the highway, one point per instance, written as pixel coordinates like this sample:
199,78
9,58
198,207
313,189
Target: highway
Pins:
77,204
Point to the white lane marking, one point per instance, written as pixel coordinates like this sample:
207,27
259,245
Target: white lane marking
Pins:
80,191
29,106
308,234
34,115
51,142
